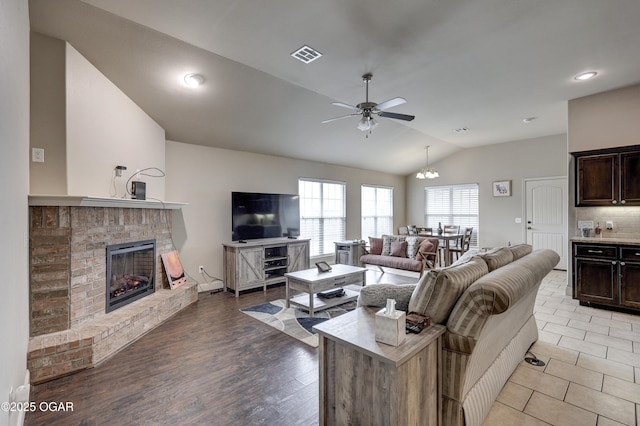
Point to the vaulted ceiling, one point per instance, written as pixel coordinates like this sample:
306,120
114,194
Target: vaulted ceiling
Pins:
483,65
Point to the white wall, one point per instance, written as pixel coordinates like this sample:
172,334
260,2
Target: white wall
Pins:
515,161
47,106
104,129
99,129
205,177
604,120
14,173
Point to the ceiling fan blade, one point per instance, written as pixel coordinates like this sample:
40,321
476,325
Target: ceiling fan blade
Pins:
338,118
391,103
343,105
404,117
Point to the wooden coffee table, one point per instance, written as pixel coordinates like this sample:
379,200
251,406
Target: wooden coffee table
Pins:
310,282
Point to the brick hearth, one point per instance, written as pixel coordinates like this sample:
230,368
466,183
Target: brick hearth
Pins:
69,327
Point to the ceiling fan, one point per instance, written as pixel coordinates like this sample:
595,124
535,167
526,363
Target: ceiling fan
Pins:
368,109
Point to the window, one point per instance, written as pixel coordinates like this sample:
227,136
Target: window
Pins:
377,211
453,205
322,214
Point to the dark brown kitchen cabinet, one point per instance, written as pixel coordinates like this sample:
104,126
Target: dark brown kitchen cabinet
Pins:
630,277
607,275
606,178
596,273
630,178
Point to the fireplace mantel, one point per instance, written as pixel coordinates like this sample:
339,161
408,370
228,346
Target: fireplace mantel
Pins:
88,201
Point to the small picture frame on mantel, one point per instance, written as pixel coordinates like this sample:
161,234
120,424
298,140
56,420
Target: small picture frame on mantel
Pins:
502,188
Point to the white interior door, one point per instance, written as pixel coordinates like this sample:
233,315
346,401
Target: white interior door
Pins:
546,215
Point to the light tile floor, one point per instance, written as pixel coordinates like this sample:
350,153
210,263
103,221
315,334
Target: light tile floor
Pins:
592,366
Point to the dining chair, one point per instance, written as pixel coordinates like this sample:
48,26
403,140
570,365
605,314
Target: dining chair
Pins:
452,229
447,229
462,246
425,232
403,230
412,229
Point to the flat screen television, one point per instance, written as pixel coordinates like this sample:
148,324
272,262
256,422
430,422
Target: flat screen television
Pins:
256,215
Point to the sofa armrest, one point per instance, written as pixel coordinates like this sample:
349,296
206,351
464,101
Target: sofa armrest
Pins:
377,295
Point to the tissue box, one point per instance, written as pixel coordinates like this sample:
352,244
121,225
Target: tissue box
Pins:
390,329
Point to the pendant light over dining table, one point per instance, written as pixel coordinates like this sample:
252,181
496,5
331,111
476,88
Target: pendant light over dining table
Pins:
427,172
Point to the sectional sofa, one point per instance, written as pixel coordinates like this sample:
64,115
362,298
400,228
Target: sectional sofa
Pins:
486,302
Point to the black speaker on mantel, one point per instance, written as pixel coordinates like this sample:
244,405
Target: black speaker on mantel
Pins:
138,190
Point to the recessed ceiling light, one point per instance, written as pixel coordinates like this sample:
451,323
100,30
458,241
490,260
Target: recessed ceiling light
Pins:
585,76
306,54
193,80
529,119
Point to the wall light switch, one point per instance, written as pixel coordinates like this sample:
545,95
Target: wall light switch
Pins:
37,155
585,224
518,220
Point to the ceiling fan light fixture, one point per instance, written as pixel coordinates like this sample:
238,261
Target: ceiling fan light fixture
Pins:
364,124
368,109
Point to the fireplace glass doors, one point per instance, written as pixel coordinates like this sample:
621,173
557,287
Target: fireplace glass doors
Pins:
130,272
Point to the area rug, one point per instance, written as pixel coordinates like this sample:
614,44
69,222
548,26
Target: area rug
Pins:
294,321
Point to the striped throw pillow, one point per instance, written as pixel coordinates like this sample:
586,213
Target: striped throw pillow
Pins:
439,289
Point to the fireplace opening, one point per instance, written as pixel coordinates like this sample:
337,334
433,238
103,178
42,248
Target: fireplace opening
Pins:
130,272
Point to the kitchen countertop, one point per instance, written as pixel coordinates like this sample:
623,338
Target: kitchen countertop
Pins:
629,240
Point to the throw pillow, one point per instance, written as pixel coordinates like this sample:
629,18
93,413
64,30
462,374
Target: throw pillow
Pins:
497,257
375,245
398,249
465,257
426,246
520,250
386,243
438,290
413,243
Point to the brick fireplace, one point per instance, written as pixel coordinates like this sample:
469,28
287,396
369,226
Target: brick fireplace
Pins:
69,326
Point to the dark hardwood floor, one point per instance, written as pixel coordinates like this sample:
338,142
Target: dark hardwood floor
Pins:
210,364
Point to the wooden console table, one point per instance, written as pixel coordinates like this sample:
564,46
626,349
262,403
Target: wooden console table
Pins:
366,382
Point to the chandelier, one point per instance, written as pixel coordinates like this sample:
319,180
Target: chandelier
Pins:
427,172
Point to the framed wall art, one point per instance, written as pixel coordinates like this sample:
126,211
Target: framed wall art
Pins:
502,188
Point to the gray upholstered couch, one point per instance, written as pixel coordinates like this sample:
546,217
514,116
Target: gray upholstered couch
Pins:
486,302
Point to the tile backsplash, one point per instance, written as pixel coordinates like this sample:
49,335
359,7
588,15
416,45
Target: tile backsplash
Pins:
626,220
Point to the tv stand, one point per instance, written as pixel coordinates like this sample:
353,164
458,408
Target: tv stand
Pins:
260,263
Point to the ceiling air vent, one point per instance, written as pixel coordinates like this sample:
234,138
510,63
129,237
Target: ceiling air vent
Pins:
306,54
